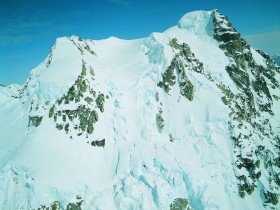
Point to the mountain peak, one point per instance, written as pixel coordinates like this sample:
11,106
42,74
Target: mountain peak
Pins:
198,22
115,116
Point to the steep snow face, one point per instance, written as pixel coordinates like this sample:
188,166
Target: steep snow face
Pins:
122,60
214,63
198,22
54,76
258,58
143,124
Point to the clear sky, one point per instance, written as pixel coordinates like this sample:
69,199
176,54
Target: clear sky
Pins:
29,28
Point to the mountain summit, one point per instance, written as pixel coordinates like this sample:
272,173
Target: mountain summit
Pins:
184,119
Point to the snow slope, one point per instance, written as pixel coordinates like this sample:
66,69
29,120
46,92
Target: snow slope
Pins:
135,124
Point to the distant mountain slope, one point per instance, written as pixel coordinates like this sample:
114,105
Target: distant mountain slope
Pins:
276,59
184,119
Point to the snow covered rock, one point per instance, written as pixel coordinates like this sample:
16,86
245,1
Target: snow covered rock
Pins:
184,119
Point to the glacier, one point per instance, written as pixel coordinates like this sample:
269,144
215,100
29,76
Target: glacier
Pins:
189,115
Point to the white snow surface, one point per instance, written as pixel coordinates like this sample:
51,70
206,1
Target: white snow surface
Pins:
258,58
139,168
198,22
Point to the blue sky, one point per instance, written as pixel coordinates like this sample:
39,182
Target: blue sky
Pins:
29,28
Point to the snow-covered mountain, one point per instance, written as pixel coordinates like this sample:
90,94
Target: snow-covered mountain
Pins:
184,119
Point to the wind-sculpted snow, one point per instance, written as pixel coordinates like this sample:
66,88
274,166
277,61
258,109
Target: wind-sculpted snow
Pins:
199,22
184,119
17,188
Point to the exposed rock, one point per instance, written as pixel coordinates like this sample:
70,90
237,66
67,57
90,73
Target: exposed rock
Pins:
180,204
